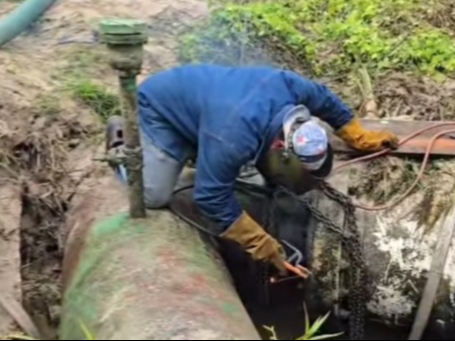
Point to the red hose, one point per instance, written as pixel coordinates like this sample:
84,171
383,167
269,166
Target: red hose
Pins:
386,151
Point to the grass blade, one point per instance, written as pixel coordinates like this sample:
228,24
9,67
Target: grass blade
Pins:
88,335
326,336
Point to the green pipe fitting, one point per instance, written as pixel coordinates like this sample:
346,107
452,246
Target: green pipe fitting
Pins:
125,39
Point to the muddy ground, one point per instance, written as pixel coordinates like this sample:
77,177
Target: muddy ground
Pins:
48,138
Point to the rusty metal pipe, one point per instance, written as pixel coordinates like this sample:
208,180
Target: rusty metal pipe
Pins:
151,279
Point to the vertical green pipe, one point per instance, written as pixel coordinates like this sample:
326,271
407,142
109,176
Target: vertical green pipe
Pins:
125,39
133,146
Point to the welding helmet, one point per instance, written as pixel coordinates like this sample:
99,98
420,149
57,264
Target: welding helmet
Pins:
304,155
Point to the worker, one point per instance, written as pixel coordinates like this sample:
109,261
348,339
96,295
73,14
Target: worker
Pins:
229,116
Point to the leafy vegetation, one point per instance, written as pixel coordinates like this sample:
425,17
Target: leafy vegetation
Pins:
327,36
311,331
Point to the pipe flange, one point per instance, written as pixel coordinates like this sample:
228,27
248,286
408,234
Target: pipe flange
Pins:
123,32
125,39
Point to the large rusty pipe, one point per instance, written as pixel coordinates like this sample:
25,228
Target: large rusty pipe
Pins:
148,279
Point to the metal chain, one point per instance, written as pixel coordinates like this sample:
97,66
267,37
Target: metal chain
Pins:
358,278
351,241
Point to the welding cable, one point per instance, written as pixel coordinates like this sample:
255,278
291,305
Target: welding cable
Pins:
186,219
386,151
198,226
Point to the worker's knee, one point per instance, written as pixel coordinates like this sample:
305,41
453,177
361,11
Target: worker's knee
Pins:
157,197
160,176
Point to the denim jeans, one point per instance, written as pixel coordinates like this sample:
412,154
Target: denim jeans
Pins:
161,174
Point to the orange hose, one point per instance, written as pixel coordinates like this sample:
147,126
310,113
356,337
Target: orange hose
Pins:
422,168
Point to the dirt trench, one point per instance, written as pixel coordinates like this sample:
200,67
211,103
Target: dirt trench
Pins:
49,138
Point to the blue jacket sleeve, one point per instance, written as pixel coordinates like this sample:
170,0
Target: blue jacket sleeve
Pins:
217,168
321,102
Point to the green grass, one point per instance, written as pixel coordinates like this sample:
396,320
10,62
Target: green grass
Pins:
98,98
87,333
78,77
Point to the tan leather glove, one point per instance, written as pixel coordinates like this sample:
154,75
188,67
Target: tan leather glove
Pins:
359,138
260,245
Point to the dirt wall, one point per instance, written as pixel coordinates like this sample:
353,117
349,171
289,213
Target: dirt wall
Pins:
49,136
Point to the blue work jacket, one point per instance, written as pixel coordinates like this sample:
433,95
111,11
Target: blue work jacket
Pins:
229,116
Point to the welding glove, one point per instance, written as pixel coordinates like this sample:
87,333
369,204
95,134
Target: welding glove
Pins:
254,240
359,138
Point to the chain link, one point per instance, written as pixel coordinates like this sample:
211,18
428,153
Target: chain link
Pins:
358,277
350,238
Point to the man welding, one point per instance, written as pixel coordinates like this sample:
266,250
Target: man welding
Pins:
228,117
